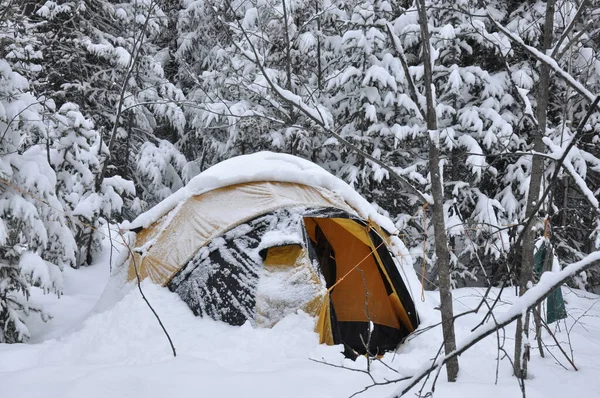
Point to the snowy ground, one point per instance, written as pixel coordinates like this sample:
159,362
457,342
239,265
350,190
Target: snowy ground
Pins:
104,342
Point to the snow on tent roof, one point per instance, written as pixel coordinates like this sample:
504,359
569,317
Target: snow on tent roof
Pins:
263,166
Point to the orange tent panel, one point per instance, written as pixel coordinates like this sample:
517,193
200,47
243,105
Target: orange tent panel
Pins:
361,295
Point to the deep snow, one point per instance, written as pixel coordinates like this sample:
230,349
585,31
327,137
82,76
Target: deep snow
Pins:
104,342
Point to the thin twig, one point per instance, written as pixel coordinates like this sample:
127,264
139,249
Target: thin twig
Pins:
545,325
139,285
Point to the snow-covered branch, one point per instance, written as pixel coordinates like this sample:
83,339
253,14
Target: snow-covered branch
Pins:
558,49
587,192
414,94
317,116
548,60
528,301
132,61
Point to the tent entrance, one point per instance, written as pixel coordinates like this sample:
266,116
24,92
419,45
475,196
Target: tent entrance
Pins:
319,261
365,312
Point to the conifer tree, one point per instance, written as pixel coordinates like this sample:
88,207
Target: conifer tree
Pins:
106,58
35,241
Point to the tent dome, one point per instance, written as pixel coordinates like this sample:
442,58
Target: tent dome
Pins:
263,166
259,236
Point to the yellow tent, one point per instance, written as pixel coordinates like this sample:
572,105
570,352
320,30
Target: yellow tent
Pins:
259,250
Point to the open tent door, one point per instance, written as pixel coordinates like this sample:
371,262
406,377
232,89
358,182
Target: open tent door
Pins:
366,313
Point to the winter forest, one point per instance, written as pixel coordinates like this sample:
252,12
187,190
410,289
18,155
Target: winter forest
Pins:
473,124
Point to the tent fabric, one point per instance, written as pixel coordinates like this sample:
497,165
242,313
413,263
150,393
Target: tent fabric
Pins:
376,256
220,280
401,299
163,248
229,281
555,304
323,327
366,308
259,251
361,295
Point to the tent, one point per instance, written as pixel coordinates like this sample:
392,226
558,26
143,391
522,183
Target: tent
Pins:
261,236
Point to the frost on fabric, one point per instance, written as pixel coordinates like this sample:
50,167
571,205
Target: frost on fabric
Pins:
283,290
220,281
284,229
224,280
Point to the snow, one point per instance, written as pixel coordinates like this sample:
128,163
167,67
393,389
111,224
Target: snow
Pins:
41,273
263,166
447,32
476,159
3,232
557,152
103,341
550,62
282,290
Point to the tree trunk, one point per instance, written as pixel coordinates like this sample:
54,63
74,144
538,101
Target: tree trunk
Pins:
522,346
319,33
288,59
439,224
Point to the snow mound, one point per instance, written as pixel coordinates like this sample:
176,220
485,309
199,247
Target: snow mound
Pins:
263,166
122,352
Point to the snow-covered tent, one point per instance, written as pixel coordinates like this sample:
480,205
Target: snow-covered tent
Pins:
260,236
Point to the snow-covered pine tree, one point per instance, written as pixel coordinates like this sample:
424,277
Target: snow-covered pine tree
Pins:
161,170
364,87
378,109
105,60
233,69
570,207
476,110
75,155
35,241
550,29
575,227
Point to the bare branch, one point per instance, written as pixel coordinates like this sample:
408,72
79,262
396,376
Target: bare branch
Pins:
545,325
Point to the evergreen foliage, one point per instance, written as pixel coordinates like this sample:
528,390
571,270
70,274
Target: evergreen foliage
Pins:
107,107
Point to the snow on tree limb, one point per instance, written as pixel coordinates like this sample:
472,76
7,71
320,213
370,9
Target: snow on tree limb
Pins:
558,49
548,60
316,115
558,152
548,282
414,94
